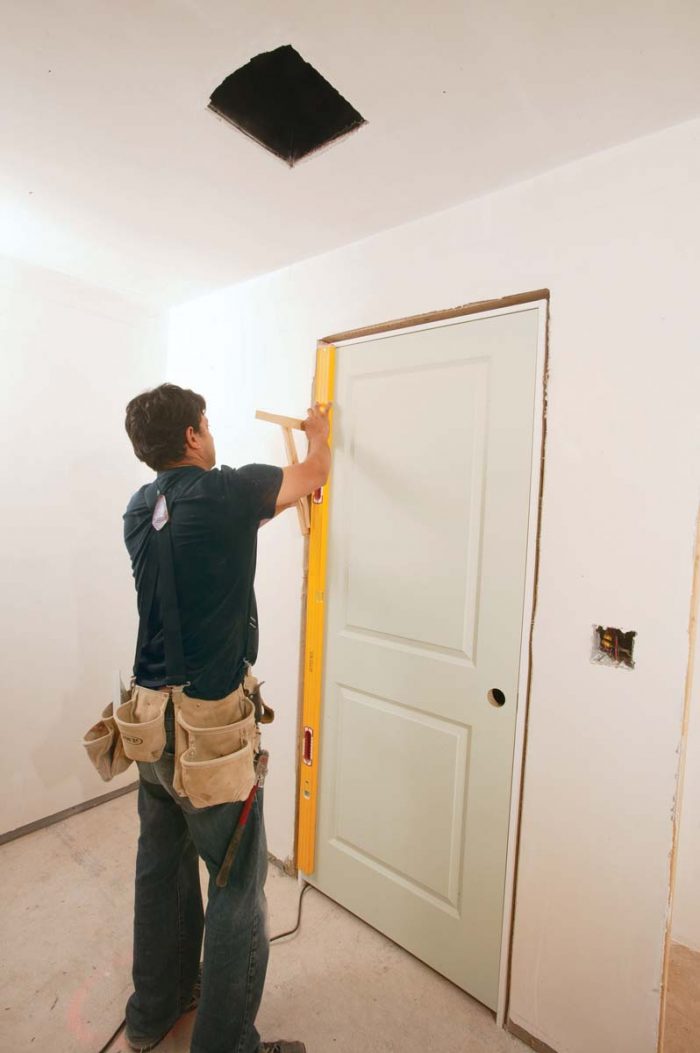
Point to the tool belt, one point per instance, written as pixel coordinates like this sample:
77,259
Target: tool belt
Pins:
216,742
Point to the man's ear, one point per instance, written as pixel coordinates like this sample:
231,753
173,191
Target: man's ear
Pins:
191,438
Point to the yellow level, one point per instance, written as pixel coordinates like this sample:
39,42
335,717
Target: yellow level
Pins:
313,646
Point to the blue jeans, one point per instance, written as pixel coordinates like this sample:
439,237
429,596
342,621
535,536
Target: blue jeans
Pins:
169,920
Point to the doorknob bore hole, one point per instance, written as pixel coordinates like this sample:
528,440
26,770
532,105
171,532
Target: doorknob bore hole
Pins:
496,697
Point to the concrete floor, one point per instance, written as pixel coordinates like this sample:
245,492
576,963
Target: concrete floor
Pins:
338,985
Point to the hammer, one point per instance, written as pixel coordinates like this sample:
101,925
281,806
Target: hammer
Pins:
234,843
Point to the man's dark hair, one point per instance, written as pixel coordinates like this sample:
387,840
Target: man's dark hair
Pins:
156,422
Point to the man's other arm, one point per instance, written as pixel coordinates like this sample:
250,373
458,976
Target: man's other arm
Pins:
298,480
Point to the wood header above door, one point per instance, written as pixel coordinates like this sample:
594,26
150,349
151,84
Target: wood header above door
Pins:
438,316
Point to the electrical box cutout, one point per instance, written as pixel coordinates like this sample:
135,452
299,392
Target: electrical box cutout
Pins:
283,103
613,647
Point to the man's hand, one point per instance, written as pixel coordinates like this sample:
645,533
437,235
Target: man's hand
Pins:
298,480
316,423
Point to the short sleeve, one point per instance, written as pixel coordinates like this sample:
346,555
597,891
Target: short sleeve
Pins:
257,487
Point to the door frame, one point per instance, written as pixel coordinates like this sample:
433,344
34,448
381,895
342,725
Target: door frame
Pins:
538,299
679,796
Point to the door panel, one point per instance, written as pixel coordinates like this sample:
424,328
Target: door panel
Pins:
426,573
372,728
413,473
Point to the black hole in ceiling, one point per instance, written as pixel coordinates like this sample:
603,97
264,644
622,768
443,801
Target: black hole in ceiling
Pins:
282,102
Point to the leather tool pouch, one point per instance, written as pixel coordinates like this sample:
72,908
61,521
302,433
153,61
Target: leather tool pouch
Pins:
251,689
215,747
141,724
104,746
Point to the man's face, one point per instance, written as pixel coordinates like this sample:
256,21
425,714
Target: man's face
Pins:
207,441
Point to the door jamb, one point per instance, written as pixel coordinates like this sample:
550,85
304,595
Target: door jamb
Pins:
680,785
532,564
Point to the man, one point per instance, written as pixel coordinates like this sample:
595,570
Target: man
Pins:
213,517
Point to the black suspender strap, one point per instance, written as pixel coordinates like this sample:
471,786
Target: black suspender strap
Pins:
161,581
172,631
148,595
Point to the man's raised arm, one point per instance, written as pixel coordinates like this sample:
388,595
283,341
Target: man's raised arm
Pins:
298,480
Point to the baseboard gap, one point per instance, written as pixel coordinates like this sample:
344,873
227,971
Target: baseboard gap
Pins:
285,865
66,813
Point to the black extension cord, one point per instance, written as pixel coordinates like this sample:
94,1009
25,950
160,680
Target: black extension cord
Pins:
273,939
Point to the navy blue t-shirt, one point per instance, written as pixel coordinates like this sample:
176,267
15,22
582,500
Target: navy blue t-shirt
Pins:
214,520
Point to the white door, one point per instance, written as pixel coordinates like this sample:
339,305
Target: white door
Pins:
426,576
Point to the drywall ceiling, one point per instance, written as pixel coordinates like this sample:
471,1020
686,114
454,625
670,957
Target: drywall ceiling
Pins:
113,170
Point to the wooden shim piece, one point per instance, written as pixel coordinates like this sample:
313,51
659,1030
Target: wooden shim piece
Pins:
284,422
303,502
292,456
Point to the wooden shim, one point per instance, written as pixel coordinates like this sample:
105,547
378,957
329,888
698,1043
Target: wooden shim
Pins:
303,507
292,456
284,422
303,515
303,502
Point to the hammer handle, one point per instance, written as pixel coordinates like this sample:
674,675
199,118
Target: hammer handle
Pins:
222,876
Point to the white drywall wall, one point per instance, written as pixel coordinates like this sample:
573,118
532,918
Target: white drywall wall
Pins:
686,902
71,358
616,238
